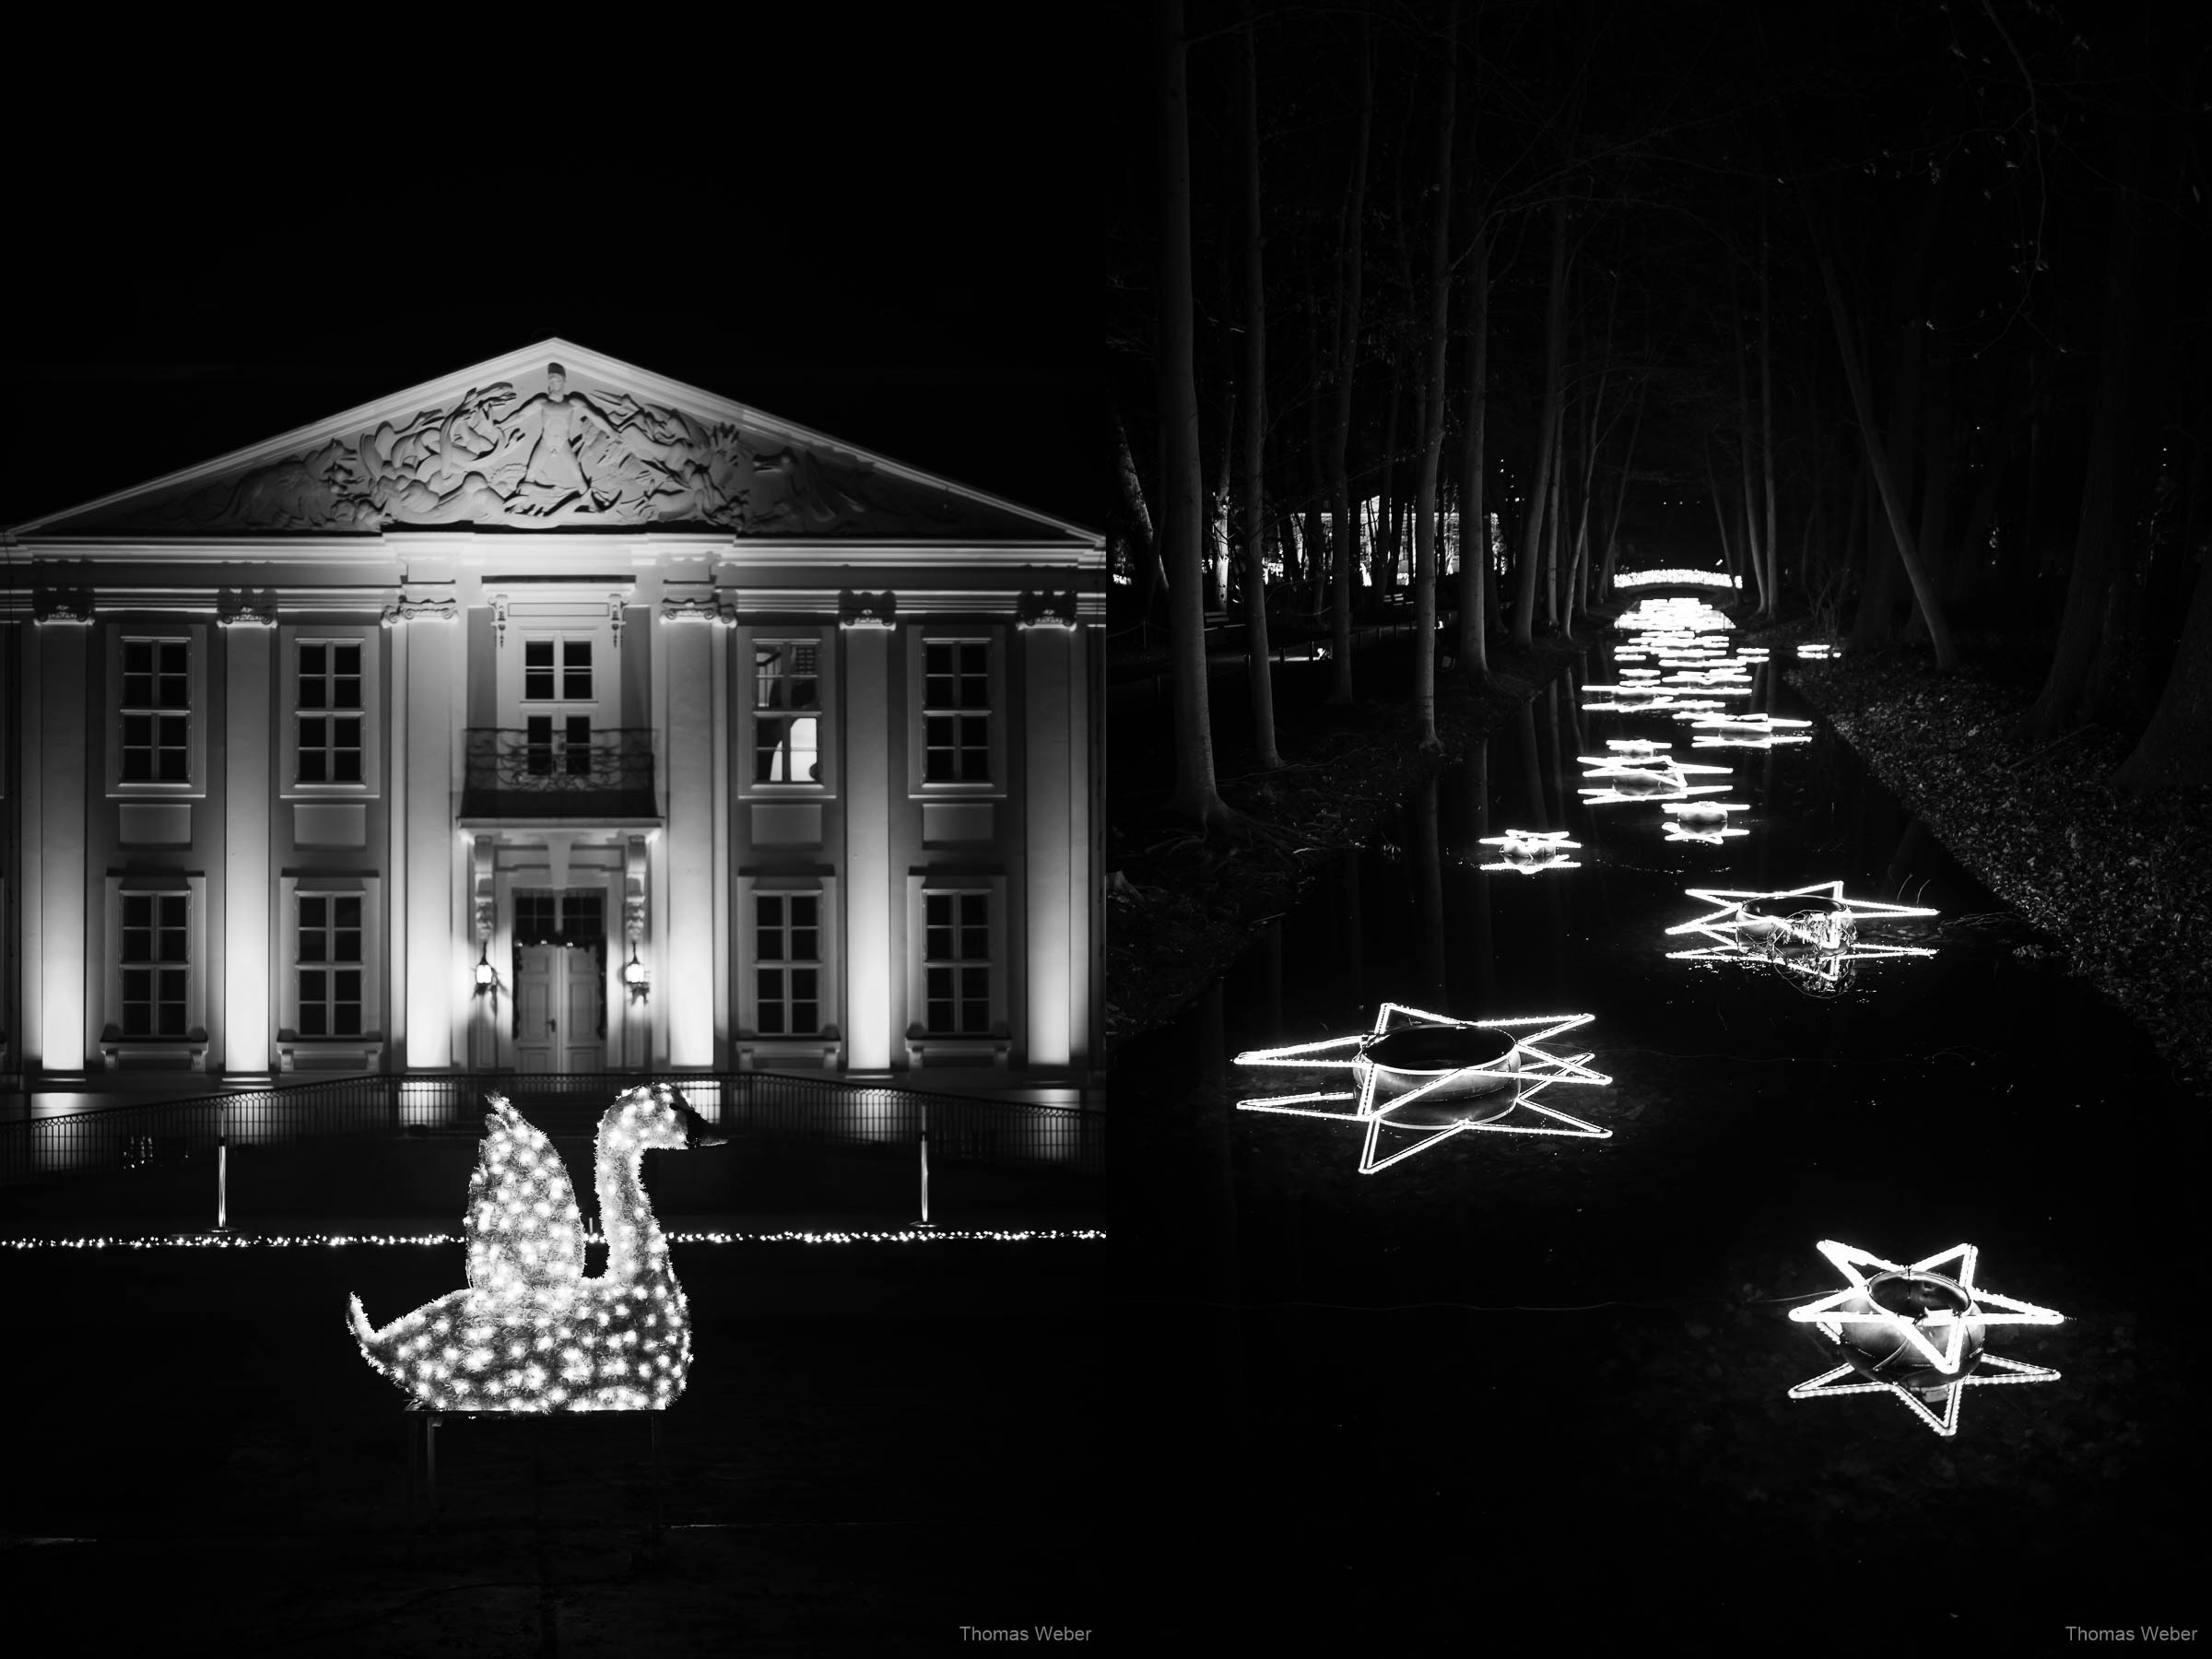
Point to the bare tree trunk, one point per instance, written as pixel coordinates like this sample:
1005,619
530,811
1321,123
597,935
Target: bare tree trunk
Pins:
1743,404
1893,507
1346,548
1195,795
1548,420
1766,403
1475,571
1256,656
1720,518
1432,405
1620,496
1155,578
1217,507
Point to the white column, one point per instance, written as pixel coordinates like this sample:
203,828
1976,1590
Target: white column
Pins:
63,643
685,924
1053,820
247,1019
866,716
437,982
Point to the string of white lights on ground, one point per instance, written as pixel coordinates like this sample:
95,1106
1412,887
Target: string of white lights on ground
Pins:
1931,1353
1526,1067
934,1235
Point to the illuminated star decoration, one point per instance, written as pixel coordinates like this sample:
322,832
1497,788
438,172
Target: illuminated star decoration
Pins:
1701,820
531,1333
1530,850
1813,946
1813,651
1409,1099
1931,1350
1673,578
1637,778
1744,731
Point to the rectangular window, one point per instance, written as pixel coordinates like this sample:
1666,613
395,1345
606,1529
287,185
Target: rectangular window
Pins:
547,679
787,963
329,966
956,714
156,712
156,962
955,963
786,680
329,717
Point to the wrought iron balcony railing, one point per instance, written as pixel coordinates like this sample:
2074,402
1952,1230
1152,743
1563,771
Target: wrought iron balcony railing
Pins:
532,773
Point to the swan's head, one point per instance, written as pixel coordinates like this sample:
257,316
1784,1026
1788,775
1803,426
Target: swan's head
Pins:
656,1116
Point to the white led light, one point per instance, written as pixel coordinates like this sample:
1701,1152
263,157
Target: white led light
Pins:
1673,578
1531,851
526,1274
1743,730
1936,1352
1384,1097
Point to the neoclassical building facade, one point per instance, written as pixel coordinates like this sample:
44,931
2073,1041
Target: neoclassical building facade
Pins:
554,716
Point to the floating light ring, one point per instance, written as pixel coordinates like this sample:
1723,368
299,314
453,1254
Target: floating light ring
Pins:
1701,820
1915,1333
1434,1077
1807,935
1532,851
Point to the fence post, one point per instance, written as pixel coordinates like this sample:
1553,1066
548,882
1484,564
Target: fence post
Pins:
925,1163
222,1170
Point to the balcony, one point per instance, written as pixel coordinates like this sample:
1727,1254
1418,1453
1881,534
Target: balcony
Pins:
523,774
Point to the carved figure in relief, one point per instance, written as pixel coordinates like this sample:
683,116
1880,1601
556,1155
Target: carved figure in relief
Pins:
539,447
304,492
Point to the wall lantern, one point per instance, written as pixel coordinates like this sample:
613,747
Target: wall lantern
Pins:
487,976
1434,1077
634,974
1915,1331
531,1333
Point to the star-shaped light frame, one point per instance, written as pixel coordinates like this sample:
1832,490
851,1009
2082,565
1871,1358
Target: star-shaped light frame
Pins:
1743,731
1679,825
1538,849
1728,924
1946,1353
1527,1066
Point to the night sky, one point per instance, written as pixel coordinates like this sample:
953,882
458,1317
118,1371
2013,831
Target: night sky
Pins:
880,230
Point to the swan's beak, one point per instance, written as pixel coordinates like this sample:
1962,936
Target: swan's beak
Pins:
698,1132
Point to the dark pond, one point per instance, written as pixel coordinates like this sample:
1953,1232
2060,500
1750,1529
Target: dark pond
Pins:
1538,1385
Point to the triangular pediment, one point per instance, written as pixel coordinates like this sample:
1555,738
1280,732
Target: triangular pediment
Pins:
611,447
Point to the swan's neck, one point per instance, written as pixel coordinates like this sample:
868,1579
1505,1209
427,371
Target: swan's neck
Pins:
634,1246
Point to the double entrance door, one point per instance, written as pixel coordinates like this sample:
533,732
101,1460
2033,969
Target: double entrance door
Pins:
559,979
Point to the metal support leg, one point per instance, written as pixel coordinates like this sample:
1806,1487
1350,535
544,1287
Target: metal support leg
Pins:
430,1441
659,1530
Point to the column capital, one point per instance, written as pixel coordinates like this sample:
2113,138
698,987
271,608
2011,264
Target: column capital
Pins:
1045,607
62,605
421,611
855,609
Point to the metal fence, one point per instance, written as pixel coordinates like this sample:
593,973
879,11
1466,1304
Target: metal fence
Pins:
962,1129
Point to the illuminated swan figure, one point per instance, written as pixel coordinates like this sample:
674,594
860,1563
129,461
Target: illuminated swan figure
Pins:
531,1333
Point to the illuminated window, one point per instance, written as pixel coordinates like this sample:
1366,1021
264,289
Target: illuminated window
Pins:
156,712
956,714
329,711
557,671
786,680
787,963
156,961
330,966
956,964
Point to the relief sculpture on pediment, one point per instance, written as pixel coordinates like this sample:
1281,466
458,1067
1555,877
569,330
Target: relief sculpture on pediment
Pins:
558,457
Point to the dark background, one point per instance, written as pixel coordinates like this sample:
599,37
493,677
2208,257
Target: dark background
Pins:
880,228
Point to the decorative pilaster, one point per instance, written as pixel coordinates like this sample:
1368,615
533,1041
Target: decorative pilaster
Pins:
866,743
438,982
248,1008
1055,913
65,642
685,982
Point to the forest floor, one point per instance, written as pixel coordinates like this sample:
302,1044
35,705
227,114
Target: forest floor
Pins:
2121,883
1181,909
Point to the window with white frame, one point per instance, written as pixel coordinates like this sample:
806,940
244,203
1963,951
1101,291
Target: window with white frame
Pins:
787,964
329,711
329,965
955,711
787,702
155,962
157,710
558,674
956,964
